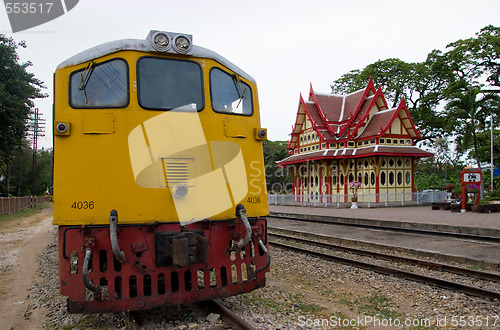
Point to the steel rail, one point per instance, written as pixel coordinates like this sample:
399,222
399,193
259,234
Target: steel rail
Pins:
135,318
470,290
481,238
227,315
414,261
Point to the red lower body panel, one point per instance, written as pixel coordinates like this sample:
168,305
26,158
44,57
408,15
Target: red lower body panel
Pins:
152,275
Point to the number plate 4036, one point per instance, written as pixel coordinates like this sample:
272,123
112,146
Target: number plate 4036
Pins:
83,205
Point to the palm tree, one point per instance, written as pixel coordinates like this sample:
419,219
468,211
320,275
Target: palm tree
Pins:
467,114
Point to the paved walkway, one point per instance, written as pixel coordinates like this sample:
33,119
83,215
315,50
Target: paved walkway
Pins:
421,217
415,214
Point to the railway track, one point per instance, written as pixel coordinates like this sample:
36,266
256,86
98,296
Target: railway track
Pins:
385,227
371,266
228,315
136,319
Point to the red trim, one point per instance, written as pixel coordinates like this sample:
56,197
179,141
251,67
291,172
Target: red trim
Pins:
347,129
321,114
402,106
308,115
369,87
282,164
377,181
291,143
412,175
346,182
141,281
378,93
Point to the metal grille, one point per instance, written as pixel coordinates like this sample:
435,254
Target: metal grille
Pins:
176,170
139,283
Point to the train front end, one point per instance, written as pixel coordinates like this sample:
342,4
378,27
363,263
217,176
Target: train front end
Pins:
159,182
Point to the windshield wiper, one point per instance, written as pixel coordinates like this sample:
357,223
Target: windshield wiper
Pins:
239,87
89,69
241,97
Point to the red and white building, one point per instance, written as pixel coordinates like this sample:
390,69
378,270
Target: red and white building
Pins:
337,139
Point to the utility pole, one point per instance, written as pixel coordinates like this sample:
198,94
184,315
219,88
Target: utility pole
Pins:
485,90
36,128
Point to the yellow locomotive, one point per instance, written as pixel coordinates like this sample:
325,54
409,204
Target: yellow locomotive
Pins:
159,181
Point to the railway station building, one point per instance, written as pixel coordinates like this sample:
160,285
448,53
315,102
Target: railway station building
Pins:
338,139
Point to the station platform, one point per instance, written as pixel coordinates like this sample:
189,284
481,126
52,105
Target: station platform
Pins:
447,249
421,217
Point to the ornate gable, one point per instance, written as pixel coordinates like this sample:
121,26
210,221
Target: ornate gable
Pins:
337,139
357,120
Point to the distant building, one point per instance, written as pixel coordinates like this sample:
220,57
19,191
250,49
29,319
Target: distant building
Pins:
337,139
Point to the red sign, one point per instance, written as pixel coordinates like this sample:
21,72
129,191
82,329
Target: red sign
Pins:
469,176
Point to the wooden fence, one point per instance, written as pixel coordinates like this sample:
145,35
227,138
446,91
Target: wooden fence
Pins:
13,204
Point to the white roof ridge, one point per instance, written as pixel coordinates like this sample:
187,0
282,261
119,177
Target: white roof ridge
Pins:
342,111
143,45
384,111
327,94
340,95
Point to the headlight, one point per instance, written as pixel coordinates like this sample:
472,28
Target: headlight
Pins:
62,128
171,42
261,134
182,44
161,42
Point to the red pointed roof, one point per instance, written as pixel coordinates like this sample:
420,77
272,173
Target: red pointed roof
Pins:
362,115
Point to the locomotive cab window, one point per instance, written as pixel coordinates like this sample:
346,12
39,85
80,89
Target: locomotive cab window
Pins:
166,84
103,85
230,94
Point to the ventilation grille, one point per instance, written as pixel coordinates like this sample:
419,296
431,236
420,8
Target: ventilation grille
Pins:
176,170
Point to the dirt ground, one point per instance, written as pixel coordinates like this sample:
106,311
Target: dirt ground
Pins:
21,240
297,288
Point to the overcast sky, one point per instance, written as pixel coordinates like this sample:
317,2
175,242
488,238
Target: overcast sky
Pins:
283,44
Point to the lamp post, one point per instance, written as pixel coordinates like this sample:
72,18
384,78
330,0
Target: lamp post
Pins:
492,167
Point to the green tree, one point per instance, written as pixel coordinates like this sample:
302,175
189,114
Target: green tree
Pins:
21,174
275,176
442,92
392,74
475,59
484,147
467,116
432,174
18,89
420,84
44,171
20,171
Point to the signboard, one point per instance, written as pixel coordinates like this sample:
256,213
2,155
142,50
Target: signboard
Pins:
471,177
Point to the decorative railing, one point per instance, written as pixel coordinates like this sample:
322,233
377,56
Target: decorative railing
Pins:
363,200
